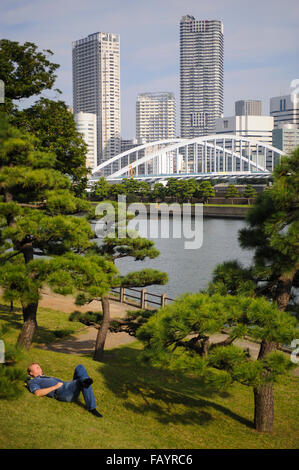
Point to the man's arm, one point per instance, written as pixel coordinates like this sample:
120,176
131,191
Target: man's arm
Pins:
44,391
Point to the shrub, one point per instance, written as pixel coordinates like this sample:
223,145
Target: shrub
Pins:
87,318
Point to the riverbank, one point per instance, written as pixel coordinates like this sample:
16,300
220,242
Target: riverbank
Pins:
208,210
232,211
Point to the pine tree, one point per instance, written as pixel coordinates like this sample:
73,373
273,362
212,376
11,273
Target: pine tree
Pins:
38,217
249,192
272,232
100,190
178,337
205,191
118,241
54,126
231,192
158,192
25,71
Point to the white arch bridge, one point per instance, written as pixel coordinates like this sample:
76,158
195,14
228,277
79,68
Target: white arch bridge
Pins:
209,156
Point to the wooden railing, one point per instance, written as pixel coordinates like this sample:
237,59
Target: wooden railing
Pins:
140,297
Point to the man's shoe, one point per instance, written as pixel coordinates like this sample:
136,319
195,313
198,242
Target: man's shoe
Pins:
96,413
87,382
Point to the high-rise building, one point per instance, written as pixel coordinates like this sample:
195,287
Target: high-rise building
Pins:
201,75
155,120
86,124
155,116
96,87
248,108
285,110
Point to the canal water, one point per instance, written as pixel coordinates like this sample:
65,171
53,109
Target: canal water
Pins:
189,270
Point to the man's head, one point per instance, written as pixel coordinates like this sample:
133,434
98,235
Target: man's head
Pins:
34,369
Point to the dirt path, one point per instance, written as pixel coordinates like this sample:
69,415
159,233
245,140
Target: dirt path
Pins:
66,303
83,343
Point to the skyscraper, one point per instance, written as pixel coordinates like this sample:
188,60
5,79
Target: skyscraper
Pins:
201,75
96,87
155,116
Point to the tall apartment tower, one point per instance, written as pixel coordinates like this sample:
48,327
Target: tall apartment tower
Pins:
155,116
96,88
201,75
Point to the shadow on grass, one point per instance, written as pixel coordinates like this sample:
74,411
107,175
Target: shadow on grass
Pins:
170,397
14,320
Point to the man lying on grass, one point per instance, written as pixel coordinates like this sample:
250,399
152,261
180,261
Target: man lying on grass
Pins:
42,385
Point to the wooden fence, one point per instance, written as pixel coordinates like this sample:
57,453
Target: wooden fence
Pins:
140,297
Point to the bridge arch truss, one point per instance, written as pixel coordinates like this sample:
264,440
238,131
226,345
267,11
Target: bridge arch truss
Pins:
214,154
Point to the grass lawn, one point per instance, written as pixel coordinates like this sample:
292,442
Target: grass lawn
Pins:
143,408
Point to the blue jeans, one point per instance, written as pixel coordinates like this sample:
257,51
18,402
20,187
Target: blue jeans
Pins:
70,391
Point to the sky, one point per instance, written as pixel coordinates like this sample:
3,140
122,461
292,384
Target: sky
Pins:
260,43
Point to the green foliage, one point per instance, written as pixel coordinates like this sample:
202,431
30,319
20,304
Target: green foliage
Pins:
87,318
54,126
38,215
232,278
138,248
205,190
181,190
272,231
100,190
132,189
25,71
63,333
143,278
11,377
231,191
249,192
158,192
11,382
178,337
134,319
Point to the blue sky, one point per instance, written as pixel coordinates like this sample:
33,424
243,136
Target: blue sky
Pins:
260,43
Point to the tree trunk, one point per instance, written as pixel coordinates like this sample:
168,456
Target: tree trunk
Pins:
29,309
283,291
264,408
29,326
263,396
102,333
